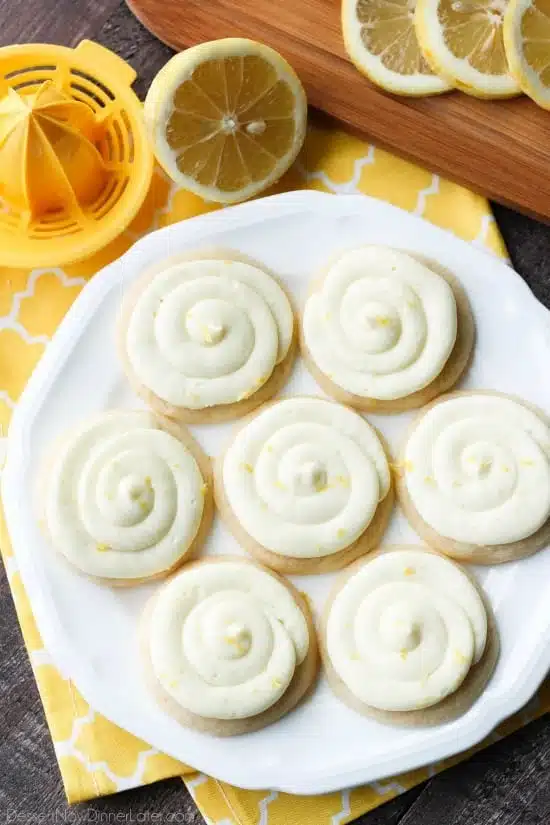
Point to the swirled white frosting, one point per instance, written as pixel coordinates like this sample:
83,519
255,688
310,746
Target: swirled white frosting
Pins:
477,469
305,476
124,499
208,332
405,629
381,325
225,639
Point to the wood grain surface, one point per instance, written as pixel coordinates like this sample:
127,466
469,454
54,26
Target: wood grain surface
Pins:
506,784
499,148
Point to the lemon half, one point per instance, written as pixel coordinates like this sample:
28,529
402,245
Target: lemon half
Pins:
226,118
462,41
380,39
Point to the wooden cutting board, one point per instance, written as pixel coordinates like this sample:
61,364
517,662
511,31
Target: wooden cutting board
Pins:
500,148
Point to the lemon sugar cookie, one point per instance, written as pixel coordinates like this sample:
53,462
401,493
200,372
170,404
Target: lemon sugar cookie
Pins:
127,497
384,332
475,477
305,486
228,646
408,637
207,337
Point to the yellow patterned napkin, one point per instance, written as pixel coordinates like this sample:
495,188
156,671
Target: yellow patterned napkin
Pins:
95,757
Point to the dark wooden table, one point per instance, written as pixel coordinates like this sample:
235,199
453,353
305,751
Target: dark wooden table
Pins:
506,784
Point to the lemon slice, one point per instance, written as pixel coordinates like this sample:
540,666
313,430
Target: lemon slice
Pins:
226,118
380,40
527,43
462,41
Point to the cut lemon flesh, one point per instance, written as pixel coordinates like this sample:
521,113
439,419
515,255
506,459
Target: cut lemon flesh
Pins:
462,41
226,118
527,43
380,39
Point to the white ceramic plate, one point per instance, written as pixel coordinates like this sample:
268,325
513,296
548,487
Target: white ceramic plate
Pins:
90,630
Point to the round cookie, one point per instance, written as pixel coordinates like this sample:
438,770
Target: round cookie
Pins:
228,646
305,486
385,331
474,477
127,497
207,337
408,637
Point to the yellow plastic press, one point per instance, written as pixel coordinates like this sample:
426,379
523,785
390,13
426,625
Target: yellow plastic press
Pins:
75,163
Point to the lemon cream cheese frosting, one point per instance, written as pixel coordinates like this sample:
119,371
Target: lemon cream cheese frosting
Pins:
404,630
380,325
476,471
125,499
206,333
227,640
305,477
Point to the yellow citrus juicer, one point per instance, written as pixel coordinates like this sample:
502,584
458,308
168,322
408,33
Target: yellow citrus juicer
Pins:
75,161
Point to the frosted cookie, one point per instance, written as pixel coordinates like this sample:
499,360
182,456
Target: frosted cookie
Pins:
207,338
408,637
474,478
384,332
229,647
305,486
128,497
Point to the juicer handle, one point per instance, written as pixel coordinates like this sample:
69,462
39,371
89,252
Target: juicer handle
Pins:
94,54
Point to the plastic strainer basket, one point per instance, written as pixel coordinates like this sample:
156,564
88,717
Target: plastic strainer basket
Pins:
95,76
